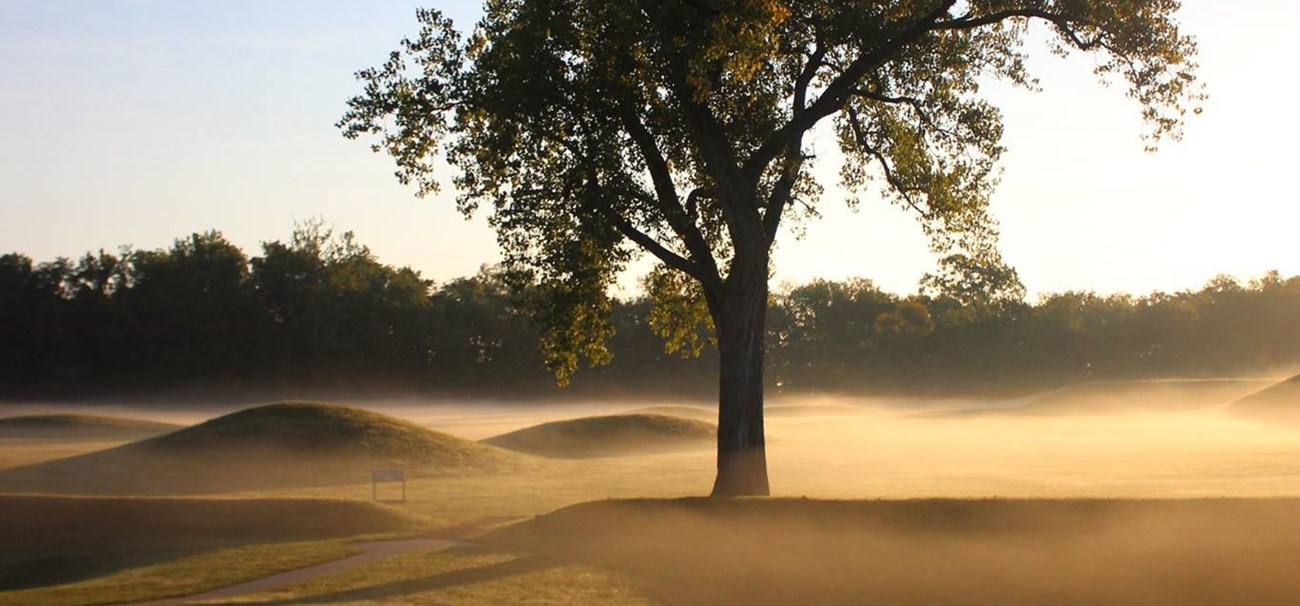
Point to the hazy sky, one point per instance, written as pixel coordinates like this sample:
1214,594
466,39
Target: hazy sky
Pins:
138,121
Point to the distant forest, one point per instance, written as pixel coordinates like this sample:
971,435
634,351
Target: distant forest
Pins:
320,314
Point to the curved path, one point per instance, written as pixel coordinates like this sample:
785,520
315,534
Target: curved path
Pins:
370,551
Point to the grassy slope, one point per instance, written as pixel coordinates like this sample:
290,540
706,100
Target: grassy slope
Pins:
16,453
797,551
604,570
934,552
684,411
1101,397
770,410
443,502
287,444
1279,402
181,572
639,552
323,429
607,436
466,576
79,427
59,539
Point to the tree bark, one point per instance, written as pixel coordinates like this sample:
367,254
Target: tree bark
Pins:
741,326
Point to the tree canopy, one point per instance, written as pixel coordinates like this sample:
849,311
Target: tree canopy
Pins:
317,311
597,128
593,127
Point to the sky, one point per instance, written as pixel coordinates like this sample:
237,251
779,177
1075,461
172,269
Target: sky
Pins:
140,121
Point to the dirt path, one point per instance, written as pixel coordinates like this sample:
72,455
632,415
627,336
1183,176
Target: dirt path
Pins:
371,550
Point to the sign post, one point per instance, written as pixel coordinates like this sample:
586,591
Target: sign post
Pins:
387,476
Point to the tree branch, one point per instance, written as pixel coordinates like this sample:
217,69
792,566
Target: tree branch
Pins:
720,161
1063,23
666,198
669,258
692,268
642,239
805,77
913,102
903,190
783,189
838,92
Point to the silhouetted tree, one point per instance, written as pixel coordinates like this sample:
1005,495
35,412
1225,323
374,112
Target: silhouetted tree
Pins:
31,318
184,318
826,330
480,335
593,127
188,305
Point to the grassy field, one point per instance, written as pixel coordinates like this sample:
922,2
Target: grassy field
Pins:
471,576
786,551
609,435
638,540
17,452
699,413
188,564
187,570
1279,402
934,552
80,427
54,539
1109,397
286,444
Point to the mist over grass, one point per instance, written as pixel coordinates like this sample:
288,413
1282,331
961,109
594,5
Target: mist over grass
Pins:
79,426
283,444
59,539
1105,439
610,435
1052,497
941,552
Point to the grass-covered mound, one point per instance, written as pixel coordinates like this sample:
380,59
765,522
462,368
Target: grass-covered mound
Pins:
58,539
685,411
1278,402
1155,395
810,409
798,409
80,427
277,445
605,436
935,552
315,428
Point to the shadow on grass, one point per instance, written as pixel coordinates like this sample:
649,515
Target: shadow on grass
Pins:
466,576
940,552
56,565
49,540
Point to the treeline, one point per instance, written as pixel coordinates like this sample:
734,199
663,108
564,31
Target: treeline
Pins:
850,335
320,312
315,312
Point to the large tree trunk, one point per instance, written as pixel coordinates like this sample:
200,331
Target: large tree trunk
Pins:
741,328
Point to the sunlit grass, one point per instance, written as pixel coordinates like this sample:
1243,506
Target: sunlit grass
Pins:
842,452
17,452
184,576
465,576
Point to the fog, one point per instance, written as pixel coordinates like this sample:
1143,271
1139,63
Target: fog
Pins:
852,447
1201,453
861,447
1004,552
1096,452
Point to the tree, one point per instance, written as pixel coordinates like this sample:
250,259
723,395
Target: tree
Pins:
827,328
32,306
337,312
594,127
191,304
982,285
